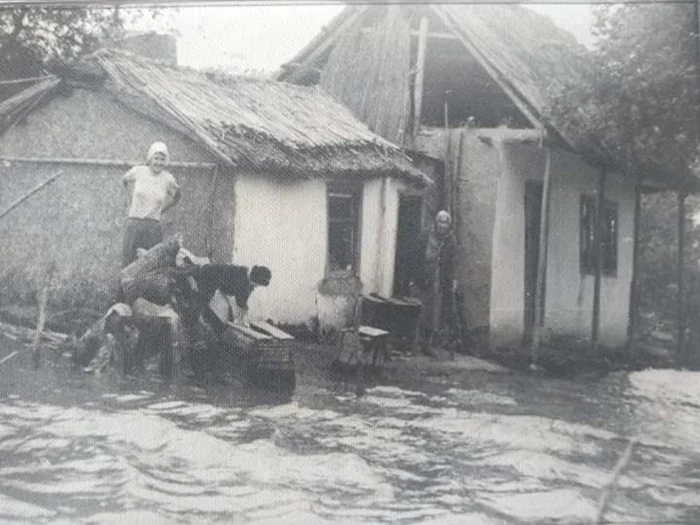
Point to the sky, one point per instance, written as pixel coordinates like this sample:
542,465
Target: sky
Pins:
260,38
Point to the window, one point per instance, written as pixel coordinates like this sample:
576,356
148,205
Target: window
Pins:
608,241
343,227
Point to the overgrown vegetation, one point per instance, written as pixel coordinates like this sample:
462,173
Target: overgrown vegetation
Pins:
638,101
33,39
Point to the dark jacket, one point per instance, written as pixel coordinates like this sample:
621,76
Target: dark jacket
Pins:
442,254
229,278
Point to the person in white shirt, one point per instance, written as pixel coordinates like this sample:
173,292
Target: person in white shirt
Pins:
151,190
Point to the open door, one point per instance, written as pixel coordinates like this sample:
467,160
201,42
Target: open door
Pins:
533,212
407,242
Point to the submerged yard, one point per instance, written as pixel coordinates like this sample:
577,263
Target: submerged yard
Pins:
460,442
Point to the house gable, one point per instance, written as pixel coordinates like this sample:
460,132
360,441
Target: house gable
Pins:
86,123
77,221
455,76
371,67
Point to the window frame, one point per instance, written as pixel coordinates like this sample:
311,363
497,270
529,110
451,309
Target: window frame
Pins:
354,192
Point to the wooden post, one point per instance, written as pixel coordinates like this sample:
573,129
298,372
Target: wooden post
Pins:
42,297
634,284
541,260
212,200
600,221
681,275
420,75
30,193
447,176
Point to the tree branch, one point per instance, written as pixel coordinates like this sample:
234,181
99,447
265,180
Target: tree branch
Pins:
18,16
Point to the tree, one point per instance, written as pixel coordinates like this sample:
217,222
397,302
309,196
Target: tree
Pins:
33,37
638,96
637,102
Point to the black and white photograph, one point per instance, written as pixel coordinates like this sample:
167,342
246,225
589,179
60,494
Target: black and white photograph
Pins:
336,263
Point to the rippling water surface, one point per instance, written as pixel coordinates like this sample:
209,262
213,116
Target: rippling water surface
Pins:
502,448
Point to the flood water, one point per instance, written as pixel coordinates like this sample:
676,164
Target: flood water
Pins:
500,448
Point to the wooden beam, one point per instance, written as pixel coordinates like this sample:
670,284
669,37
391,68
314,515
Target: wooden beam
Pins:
447,168
542,260
519,103
101,162
420,75
271,330
681,276
600,221
634,284
31,192
416,34
325,45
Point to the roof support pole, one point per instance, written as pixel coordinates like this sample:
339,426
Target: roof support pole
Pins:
681,276
212,205
542,260
420,75
31,192
634,284
112,163
600,221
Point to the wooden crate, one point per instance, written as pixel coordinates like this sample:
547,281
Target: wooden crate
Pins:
263,353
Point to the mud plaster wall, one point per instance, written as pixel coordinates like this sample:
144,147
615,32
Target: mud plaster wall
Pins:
477,170
569,293
282,225
77,220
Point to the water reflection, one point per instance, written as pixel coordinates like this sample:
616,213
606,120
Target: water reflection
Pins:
503,449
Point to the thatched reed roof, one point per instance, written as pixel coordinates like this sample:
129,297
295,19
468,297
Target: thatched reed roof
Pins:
14,107
247,122
523,49
526,49
526,53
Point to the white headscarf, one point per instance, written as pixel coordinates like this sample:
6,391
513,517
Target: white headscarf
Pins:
443,214
158,147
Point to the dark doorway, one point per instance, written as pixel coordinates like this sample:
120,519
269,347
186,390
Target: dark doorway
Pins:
407,243
533,212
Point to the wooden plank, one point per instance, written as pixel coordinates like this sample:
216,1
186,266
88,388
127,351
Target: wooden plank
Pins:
403,301
374,298
370,331
248,332
271,330
420,74
542,259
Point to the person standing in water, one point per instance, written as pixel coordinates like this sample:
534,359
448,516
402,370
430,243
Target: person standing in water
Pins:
435,280
151,190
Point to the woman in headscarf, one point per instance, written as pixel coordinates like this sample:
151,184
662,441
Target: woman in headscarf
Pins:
151,190
436,282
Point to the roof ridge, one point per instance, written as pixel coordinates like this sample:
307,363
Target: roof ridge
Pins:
220,77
